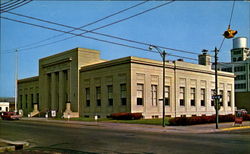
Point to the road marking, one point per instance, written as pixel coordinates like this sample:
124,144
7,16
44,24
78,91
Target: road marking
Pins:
235,128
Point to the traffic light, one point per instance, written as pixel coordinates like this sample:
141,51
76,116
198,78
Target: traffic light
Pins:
229,33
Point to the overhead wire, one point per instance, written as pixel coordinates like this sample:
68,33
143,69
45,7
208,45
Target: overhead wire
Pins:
11,5
88,24
5,2
15,6
230,20
231,16
111,23
8,3
106,35
88,37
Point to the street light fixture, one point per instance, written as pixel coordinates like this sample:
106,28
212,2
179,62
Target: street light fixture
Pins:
163,55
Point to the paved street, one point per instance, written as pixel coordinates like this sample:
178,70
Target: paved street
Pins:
77,138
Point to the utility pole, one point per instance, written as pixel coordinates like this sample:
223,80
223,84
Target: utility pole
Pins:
164,100
163,55
16,79
216,87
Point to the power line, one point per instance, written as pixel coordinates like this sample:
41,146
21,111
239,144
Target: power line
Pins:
15,6
86,31
12,5
106,35
153,8
228,24
231,16
110,23
88,37
8,3
88,24
4,3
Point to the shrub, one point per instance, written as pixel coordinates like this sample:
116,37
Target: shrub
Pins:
178,121
246,117
126,116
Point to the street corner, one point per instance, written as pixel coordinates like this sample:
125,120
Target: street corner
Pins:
8,146
235,128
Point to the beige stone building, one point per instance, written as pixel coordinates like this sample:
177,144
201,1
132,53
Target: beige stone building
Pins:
78,83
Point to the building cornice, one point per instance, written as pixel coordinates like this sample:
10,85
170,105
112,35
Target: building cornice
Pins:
57,62
143,61
35,78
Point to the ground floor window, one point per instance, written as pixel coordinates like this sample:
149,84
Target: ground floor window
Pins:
87,91
139,94
182,96
229,98
192,95
202,97
98,96
154,95
212,94
221,100
123,93
110,95
167,95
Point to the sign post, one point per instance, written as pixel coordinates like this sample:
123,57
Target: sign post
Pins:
238,118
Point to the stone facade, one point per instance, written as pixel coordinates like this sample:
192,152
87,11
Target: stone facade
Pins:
78,83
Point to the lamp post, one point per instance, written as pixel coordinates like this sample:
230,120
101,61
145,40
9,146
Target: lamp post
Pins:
16,81
217,106
163,55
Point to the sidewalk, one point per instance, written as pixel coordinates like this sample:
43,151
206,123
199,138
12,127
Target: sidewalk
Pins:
202,128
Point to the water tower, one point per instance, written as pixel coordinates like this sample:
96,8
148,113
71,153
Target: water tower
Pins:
240,51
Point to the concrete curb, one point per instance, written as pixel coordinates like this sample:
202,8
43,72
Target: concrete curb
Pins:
235,128
12,145
192,129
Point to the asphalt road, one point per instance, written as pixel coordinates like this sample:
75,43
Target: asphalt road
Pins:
73,138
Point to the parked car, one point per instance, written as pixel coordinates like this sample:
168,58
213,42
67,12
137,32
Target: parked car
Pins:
10,116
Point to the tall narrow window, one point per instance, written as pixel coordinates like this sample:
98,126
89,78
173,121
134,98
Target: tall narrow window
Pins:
32,101
139,94
182,96
21,101
202,97
212,94
228,98
154,95
167,95
123,93
221,100
26,101
87,90
98,96
192,94
110,95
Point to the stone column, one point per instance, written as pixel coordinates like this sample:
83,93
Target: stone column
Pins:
47,94
53,91
61,93
69,85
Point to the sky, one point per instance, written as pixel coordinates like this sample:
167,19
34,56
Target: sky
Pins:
183,25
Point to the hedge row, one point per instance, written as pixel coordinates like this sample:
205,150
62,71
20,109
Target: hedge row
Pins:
178,121
126,116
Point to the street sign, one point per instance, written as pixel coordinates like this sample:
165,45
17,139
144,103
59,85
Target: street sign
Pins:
238,117
217,97
53,113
